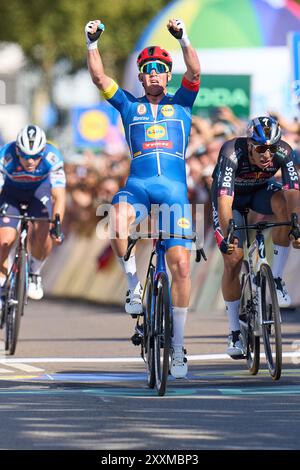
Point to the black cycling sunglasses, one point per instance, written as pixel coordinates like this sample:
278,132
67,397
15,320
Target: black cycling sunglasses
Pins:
264,148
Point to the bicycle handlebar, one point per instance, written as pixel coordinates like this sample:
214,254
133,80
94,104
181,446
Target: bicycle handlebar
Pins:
260,226
161,235
56,221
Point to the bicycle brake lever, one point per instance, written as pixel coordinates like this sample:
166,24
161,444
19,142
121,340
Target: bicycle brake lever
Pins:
295,230
131,243
231,227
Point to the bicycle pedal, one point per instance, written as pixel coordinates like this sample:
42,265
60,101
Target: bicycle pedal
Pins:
136,315
12,302
136,339
241,356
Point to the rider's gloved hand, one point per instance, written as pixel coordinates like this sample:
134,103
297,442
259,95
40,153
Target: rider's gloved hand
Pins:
177,29
294,235
58,238
93,30
224,246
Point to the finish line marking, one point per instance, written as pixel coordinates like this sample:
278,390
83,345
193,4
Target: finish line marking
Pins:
127,360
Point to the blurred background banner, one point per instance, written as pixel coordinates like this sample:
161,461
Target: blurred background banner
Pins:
232,91
248,37
96,126
294,43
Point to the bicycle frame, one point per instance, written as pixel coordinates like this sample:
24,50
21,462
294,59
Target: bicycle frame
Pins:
256,256
21,246
160,267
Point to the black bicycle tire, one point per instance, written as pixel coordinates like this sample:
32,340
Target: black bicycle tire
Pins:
162,321
148,339
252,341
275,367
15,312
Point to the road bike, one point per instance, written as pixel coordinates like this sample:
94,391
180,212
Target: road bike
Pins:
259,313
154,328
14,291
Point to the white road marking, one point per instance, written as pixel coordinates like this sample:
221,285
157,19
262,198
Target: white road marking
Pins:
127,360
6,371
26,367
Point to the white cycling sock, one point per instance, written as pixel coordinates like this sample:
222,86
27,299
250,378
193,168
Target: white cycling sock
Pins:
36,265
232,309
279,260
179,319
129,268
2,282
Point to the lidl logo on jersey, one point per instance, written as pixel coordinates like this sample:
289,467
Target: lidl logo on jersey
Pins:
167,110
156,132
183,223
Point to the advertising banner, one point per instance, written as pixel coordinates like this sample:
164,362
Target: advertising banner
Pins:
96,126
215,91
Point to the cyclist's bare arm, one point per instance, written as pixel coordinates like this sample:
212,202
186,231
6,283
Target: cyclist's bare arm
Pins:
190,56
292,197
59,201
225,212
96,69
95,64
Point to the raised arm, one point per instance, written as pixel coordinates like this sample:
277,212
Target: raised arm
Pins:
177,29
93,31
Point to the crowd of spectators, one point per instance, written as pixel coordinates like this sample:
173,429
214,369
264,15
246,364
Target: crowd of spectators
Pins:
96,177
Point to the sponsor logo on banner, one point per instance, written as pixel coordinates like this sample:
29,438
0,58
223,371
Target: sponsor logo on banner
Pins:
141,109
183,223
167,110
93,125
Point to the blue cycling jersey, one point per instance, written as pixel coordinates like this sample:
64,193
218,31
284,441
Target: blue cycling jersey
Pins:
157,136
14,175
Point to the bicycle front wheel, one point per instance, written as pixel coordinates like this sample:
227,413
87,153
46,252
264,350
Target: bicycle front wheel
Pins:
162,334
271,322
15,306
247,321
148,332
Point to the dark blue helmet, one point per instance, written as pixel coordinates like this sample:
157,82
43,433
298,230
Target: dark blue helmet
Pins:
263,130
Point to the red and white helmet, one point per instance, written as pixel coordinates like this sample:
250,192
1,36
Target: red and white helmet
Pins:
154,53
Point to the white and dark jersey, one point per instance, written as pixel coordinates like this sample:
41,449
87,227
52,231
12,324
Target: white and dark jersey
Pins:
235,174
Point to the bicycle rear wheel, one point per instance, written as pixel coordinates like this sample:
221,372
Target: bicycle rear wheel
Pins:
148,332
15,304
247,321
162,334
271,322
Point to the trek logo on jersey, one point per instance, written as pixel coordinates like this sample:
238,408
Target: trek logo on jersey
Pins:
167,110
183,223
141,109
156,132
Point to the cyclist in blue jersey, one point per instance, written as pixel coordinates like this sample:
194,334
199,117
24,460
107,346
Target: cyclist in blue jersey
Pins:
157,127
244,178
31,172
